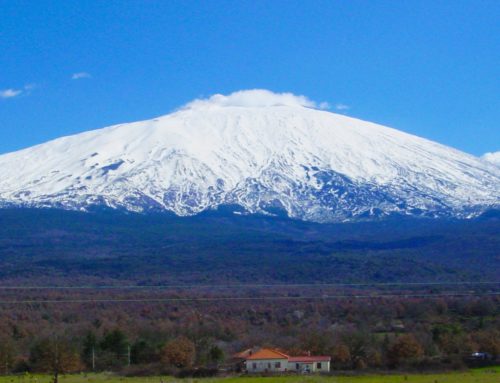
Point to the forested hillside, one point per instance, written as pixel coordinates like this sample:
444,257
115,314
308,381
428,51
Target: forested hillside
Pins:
218,283
61,246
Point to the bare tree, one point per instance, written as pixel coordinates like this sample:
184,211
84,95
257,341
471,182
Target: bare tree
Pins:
7,355
55,356
179,352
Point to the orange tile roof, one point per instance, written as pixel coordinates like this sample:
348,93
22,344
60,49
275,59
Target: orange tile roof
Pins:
266,353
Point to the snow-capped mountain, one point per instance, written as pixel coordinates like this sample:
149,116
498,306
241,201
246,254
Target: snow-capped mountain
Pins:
493,157
256,149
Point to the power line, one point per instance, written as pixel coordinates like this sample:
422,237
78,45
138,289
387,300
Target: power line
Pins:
250,285
268,298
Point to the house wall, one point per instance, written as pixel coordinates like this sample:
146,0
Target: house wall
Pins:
325,366
266,365
313,367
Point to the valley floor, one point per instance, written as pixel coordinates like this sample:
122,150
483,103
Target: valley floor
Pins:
486,375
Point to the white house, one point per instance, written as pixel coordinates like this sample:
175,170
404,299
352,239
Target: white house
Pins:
309,363
267,360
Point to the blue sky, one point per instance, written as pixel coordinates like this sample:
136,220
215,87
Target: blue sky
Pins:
429,68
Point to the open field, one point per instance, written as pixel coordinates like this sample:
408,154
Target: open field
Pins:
486,375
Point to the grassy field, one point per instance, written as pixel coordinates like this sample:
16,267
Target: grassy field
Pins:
486,375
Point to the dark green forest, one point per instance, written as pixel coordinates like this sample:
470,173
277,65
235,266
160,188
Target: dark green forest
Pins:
218,247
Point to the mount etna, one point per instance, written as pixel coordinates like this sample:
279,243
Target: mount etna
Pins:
260,152
231,188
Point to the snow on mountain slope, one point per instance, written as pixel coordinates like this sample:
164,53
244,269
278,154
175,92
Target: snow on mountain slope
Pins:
494,158
257,149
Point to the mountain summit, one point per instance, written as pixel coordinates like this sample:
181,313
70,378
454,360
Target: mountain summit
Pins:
262,151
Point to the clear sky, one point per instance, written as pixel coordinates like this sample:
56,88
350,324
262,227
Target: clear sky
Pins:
429,68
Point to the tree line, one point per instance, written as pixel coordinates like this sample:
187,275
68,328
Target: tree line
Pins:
170,338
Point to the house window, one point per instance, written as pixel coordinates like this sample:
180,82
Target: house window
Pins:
254,366
277,365
318,365
297,366
269,365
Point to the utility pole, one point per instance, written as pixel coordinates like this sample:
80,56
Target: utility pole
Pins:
93,358
56,364
128,354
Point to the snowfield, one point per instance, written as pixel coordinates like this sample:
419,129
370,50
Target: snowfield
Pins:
494,158
256,149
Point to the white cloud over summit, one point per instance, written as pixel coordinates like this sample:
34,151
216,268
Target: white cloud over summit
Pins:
257,98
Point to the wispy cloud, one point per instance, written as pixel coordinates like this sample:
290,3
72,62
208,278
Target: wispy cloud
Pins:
342,107
29,87
80,75
10,93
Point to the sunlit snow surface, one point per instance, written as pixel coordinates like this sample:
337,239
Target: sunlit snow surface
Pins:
263,156
494,158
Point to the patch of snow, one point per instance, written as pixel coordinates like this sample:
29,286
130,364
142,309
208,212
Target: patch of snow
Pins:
494,158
